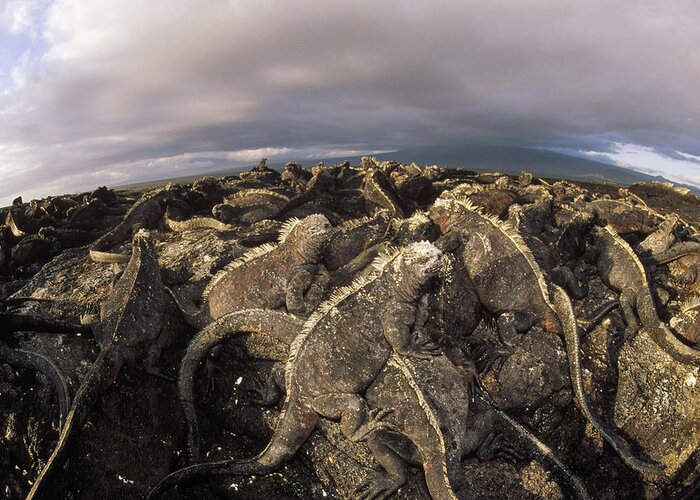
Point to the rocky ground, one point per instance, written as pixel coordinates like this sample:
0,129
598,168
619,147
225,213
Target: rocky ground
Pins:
136,433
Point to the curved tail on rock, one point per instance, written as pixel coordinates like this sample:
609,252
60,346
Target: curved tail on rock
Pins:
282,326
662,334
35,361
196,223
100,248
200,471
565,312
570,483
100,375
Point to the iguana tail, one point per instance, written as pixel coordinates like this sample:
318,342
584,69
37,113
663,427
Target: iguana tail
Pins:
570,483
565,312
44,365
196,223
101,374
196,318
676,252
597,316
10,322
99,250
282,326
294,426
661,334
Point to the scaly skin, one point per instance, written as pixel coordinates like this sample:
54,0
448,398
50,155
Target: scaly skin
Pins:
688,252
621,270
269,277
196,223
146,212
131,320
349,323
511,285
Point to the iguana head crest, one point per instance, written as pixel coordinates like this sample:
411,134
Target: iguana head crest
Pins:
416,228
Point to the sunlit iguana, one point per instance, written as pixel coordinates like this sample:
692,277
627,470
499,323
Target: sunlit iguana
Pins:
687,253
130,330
511,286
342,348
620,269
271,276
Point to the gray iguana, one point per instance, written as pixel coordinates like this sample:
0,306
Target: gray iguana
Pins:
130,330
270,276
343,346
620,269
145,213
687,253
511,286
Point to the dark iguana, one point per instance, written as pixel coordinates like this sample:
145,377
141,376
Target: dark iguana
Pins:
342,348
687,253
511,286
270,276
130,331
145,213
620,269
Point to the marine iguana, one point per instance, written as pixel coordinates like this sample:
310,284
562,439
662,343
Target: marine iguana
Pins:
145,213
350,238
250,205
621,270
270,276
661,239
415,412
323,376
623,216
511,286
379,194
688,255
195,223
129,331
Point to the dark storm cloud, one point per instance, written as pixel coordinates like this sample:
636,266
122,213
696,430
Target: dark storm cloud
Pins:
122,84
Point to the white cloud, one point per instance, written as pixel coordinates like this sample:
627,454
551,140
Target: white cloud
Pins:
650,161
21,16
124,82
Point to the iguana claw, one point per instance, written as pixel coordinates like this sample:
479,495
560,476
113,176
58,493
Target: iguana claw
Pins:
378,487
375,422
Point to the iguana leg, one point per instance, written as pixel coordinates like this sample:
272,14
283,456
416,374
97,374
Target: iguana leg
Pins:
398,323
628,302
390,449
690,275
356,420
296,289
156,349
564,277
270,391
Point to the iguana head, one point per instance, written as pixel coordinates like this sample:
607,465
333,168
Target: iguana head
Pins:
418,227
445,212
310,236
416,265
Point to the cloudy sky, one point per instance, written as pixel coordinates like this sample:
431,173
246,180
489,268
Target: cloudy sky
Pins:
111,91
